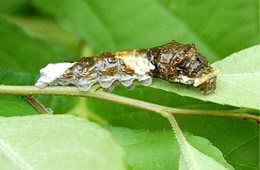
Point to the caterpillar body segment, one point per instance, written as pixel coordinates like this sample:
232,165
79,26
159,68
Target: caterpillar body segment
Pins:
173,62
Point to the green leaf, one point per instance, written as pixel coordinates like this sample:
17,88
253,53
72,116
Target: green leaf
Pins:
238,140
21,52
199,161
49,30
190,157
11,6
15,106
159,149
208,20
79,17
145,23
57,142
239,76
8,77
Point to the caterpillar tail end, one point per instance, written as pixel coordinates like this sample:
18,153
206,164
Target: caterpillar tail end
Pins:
51,73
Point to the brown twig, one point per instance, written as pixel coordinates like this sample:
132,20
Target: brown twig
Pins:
36,104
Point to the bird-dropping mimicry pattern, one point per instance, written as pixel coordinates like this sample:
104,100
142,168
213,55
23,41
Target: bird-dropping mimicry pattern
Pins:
173,62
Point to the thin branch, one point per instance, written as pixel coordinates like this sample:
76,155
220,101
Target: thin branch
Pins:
40,107
159,109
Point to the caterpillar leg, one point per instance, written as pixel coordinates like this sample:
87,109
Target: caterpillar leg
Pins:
131,87
106,82
127,80
112,87
86,85
145,80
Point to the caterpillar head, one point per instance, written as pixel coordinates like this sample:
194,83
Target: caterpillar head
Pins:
204,75
187,66
206,80
209,85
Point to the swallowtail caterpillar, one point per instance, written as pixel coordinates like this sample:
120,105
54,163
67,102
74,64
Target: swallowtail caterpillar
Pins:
173,62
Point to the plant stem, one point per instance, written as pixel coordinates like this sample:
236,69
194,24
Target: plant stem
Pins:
185,151
100,94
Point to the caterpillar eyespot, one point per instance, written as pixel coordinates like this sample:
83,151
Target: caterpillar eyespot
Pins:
173,62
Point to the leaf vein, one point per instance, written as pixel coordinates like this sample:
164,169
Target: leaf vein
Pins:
13,156
238,146
242,165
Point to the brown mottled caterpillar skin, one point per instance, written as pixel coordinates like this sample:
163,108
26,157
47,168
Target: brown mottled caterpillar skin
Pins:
173,62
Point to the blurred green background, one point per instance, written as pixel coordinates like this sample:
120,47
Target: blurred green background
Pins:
217,27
